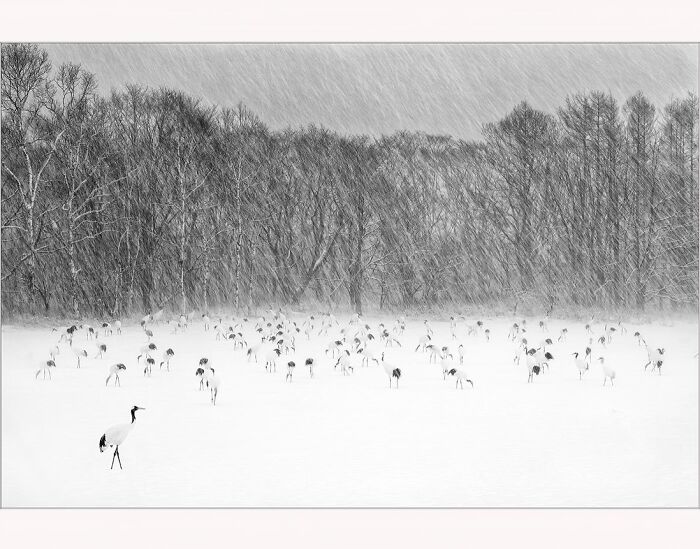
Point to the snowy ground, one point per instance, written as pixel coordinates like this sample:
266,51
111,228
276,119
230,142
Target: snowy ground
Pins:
351,441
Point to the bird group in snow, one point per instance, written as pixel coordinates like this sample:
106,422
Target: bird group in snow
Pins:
273,340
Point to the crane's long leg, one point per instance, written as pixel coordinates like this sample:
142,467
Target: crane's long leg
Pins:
119,459
113,456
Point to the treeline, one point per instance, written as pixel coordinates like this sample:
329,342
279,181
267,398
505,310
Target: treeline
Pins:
150,198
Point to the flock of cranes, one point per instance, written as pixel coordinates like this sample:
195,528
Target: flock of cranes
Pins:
271,341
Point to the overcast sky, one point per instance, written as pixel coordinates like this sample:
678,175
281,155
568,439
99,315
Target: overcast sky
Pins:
381,88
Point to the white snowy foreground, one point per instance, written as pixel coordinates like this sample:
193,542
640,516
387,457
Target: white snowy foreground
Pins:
352,441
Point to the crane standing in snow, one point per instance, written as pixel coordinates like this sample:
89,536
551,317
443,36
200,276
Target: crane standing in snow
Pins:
114,371
608,371
309,363
54,352
344,362
203,371
45,366
581,365
101,349
392,371
167,355
78,352
656,359
147,350
461,376
116,435
290,371
533,365
213,382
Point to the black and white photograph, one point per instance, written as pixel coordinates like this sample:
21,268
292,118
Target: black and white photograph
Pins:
349,275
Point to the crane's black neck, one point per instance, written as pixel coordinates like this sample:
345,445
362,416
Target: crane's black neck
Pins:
133,415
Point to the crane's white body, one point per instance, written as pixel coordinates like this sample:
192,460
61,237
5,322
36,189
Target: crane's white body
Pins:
146,351
78,352
392,371
423,342
461,376
368,353
168,354
533,366
447,363
581,365
608,372
214,384
116,435
45,366
271,358
656,357
54,351
345,364
114,370
434,353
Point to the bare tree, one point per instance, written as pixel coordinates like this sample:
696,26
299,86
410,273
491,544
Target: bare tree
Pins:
27,89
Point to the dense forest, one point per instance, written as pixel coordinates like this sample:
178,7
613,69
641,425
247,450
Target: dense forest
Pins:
150,198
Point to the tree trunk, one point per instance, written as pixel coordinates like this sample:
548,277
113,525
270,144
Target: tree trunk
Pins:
253,250
31,260
71,264
206,276
239,244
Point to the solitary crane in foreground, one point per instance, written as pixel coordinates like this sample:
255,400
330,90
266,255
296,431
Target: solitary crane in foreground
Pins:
116,435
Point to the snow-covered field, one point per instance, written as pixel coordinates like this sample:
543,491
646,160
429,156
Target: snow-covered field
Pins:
352,441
